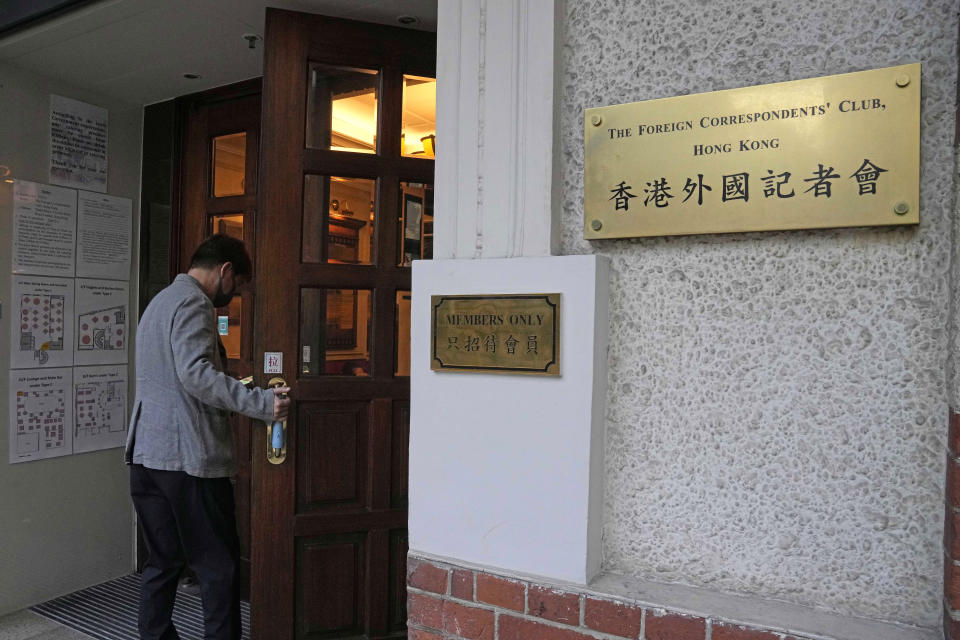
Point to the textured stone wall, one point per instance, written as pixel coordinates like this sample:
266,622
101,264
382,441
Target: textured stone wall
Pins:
777,402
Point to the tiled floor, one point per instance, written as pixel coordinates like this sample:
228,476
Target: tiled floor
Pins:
27,625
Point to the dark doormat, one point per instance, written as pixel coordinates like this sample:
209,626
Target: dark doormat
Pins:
108,611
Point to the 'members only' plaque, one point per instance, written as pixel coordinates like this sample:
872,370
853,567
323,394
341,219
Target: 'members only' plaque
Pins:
837,151
496,333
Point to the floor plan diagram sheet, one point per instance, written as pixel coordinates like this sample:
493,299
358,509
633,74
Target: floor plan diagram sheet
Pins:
44,229
101,321
103,236
41,324
41,414
100,408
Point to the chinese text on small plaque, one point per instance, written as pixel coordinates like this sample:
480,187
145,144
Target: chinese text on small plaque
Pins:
496,333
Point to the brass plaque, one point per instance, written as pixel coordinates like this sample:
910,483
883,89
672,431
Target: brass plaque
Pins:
837,151
515,333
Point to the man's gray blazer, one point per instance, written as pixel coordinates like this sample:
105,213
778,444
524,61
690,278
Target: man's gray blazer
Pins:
183,396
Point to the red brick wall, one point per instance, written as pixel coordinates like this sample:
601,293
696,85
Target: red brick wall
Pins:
447,602
951,534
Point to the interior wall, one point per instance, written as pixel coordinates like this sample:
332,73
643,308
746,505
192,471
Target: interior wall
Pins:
65,523
777,401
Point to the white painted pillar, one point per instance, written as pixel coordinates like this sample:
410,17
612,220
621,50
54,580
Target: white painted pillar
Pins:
506,471
497,181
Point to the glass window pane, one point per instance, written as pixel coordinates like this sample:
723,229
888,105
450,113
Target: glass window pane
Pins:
338,220
230,333
335,331
230,330
228,223
416,222
402,334
419,124
342,109
229,164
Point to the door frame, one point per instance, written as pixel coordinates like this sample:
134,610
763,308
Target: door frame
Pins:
179,256
183,106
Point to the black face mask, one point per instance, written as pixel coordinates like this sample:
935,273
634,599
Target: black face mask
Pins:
222,298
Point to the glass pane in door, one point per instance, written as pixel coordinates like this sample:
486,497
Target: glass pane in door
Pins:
416,223
230,318
418,135
229,165
402,334
230,224
338,220
335,331
342,109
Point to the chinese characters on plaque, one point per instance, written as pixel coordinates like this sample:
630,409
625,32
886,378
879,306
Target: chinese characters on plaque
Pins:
736,186
496,333
837,151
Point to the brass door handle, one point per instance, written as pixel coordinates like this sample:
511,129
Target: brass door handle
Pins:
277,431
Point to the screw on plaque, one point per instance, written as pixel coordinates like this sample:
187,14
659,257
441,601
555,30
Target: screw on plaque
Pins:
595,120
903,80
901,208
596,225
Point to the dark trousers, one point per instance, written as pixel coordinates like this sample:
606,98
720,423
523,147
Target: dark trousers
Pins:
187,520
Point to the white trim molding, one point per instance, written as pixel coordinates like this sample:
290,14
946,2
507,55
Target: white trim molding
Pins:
497,187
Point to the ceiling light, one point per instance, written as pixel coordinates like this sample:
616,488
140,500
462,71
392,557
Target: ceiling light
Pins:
192,76
408,21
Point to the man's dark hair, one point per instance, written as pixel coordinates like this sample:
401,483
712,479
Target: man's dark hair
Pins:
221,248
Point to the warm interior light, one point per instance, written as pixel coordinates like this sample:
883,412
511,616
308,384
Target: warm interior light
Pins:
428,144
229,164
419,123
353,118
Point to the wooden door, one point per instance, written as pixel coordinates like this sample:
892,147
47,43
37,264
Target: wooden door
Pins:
345,199
217,193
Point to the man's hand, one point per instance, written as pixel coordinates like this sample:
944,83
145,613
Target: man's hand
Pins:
281,403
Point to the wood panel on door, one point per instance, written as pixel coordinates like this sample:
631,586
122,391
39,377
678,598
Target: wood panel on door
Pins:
333,280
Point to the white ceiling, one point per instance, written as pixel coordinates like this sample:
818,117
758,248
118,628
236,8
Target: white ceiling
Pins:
138,50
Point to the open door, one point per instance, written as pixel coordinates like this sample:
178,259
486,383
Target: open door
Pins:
217,193
346,202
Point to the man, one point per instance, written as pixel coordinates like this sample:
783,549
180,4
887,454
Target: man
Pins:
179,444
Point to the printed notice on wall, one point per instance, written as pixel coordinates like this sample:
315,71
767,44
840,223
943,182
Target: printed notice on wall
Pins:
41,324
44,227
101,320
103,236
78,144
100,408
41,414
